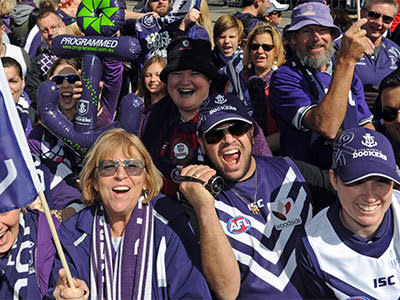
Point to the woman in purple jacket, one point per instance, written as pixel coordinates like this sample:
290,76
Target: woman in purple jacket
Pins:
121,246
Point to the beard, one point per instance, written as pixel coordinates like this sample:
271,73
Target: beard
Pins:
316,63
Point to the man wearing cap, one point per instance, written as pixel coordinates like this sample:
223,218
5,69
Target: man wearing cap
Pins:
252,13
313,99
169,130
248,232
351,249
385,56
274,13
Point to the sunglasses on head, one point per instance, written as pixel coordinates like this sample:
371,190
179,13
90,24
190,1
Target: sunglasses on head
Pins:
375,15
236,129
109,167
59,79
389,114
265,47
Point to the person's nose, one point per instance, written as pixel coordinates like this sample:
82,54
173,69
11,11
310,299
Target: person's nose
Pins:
121,173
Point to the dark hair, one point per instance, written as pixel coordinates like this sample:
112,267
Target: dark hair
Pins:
247,3
341,18
390,81
9,62
73,62
46,12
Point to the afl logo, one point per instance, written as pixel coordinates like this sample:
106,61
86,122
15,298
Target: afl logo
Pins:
238,225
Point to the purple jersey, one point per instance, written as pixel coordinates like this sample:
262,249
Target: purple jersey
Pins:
264,244
336,263
294,90
372,69
176,253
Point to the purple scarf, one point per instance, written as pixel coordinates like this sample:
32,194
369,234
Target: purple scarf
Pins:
128,273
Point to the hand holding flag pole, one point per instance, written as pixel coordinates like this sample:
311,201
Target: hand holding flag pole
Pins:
19,181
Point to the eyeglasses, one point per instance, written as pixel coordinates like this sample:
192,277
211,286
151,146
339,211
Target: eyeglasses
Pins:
276,13
59,79
389,114
236,129
265,47
109,167
375,15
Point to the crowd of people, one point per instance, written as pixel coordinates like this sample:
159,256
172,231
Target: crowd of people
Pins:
263,163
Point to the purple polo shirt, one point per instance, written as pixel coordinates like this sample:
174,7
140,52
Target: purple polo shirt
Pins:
292,95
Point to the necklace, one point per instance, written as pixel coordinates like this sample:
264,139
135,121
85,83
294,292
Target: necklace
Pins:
253,207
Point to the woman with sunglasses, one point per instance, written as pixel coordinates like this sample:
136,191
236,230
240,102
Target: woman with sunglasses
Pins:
273,16
125,228
263,54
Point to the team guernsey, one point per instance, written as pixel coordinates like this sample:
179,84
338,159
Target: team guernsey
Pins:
264,243
336,263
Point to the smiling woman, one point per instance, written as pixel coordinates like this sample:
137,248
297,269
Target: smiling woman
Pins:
360,229
120,184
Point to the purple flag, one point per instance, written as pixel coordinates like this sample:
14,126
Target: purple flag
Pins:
19,182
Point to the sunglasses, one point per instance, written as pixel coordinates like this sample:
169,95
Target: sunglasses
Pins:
236,129
389,114
375,15
276,13
109,167
59,79
265,47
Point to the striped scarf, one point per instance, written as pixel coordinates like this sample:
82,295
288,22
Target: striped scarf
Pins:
128,273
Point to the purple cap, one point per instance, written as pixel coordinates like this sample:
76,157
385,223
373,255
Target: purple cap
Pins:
360,153
220,108
312,13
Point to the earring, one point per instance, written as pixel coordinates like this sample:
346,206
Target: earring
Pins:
249,66
274,66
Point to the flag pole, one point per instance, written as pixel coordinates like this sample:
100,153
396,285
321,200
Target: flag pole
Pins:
56,239
358,10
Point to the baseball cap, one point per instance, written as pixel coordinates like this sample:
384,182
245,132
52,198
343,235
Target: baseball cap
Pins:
220,108
312,13
360,153
276,6
185,53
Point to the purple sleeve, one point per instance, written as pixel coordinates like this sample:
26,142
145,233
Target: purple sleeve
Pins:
312,277
364,115
288,93
112,79
198,32
185,280
34,140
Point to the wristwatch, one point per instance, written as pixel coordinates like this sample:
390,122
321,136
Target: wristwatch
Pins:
214,185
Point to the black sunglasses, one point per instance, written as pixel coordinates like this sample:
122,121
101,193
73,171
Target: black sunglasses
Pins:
109,167
236,129
265,47
389,114
375,15
71,78
277,13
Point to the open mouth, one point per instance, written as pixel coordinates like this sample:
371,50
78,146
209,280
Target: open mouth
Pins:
121,189
185,92
231,156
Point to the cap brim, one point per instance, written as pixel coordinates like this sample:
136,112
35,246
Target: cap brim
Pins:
229,117
335,30
207,69
357,170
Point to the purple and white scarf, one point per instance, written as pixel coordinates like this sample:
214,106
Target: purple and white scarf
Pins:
129,275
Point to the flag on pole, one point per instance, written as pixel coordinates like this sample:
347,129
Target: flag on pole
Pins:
19,182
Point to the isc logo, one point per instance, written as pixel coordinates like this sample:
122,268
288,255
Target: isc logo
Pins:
238,225
384,281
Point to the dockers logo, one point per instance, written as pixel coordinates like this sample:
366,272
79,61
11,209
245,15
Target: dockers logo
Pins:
285,214
220,99
238,225
369,141
83,107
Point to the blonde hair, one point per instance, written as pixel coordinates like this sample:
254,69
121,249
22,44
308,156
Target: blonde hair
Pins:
276,39
105,145
205,21
6,7
226,22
